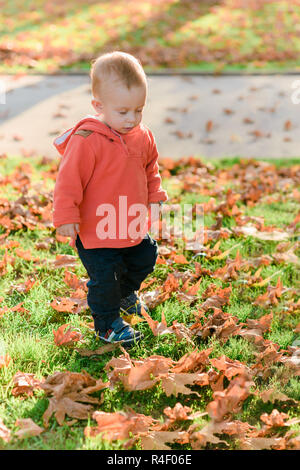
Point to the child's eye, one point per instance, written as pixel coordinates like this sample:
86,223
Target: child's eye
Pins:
125,112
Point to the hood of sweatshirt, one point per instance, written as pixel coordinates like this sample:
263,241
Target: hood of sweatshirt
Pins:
92,123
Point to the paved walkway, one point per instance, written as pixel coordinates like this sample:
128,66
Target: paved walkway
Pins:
211,116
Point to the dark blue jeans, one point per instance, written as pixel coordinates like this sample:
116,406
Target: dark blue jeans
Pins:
115,273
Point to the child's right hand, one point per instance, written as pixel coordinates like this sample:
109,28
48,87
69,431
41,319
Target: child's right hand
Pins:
68,230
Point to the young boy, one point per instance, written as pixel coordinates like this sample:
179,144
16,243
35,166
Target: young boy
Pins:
109,166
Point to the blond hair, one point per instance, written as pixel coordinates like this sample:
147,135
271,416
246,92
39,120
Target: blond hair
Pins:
117,65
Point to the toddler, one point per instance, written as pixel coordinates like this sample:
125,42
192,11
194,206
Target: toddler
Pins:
108,173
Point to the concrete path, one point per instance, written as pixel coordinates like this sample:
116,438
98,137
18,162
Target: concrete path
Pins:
210,116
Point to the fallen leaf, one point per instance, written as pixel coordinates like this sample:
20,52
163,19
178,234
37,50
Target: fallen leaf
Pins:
28,428
68,338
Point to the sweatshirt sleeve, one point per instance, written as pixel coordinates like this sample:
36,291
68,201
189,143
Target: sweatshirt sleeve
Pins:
155,191
75,170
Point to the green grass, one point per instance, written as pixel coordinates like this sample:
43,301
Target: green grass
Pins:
206,36
28,337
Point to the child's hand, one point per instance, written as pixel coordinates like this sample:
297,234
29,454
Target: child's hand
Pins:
68,230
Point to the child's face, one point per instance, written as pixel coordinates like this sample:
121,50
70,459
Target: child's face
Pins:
121,108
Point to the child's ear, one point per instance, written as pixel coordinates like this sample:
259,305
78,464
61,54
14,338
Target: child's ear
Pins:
97,105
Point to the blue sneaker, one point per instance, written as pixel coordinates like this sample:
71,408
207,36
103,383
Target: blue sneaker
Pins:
120,331
132,304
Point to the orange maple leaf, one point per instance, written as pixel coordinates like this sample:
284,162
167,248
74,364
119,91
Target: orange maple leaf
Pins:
67,338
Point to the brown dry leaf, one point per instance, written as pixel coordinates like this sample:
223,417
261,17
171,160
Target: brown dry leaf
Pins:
181,332
236,427
252,335
262,325
119,425
102,350
272,395
173,384
171,284
259,443
287,125
230,400
73,304
68,389
157,328
154,298
144,284
288,256
72,281
199,439
248,121
186,298
25,254
144,374
67,338
229,367
179,259
63,304
28,428
156,440
209,126
64,261
24,287
193,290
269,354
5,433
275,419
72,384
271,296
45,244
221,297
220,324
230,270
161,328
251,230
216,380
25,383
292,362
137,374
257,328
195,360
65,406
177,413
169,120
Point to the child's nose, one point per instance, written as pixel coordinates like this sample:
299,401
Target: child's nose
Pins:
131,117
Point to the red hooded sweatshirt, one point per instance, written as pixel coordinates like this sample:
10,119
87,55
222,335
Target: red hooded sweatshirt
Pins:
100,166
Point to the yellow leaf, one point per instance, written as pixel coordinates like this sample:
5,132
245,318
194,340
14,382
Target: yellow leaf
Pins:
225,253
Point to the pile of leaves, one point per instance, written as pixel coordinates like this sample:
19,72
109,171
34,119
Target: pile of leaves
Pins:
47,36
219,364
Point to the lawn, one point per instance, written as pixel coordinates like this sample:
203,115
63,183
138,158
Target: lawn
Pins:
228,35
219,364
